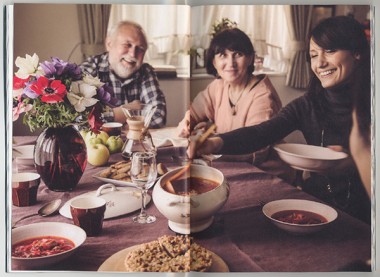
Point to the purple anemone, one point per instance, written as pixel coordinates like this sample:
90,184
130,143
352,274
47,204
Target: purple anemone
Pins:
60,69
105,93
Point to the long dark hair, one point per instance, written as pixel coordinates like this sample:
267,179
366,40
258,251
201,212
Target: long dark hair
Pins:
341,33
362,101
230,39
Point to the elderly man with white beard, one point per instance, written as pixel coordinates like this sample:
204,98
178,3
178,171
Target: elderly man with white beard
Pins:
122,66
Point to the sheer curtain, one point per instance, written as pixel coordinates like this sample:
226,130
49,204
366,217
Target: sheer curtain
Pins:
93,22
175,28
249,18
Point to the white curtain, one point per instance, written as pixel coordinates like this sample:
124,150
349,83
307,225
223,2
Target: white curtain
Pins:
247,17
166,26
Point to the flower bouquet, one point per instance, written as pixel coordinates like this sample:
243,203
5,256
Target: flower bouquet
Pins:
56,96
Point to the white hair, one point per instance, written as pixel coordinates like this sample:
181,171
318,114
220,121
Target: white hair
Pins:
127,23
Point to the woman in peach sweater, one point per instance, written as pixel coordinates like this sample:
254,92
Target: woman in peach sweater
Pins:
236,98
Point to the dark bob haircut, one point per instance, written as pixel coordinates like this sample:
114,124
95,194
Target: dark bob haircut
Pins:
230,39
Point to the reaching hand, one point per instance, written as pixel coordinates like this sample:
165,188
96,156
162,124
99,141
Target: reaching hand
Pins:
209,146
202,126
183,128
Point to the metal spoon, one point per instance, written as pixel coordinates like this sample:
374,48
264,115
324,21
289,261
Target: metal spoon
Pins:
46,210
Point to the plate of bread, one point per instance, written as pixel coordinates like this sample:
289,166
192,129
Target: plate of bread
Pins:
165,254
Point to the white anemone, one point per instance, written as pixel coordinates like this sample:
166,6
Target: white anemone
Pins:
95,81
27,66
81,95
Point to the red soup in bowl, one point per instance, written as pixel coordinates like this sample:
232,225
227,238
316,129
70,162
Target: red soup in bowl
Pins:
41,247
190,186
299,217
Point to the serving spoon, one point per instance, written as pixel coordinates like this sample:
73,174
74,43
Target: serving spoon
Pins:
46,210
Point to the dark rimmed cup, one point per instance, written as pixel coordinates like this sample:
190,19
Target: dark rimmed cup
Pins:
112,128
24,188
88,213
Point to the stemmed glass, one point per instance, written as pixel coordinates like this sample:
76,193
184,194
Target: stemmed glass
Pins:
143,175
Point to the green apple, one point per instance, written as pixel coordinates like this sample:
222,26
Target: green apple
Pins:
102,135
95,140
83,133
114,144
97,154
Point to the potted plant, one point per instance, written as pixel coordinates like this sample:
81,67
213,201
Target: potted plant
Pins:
223,24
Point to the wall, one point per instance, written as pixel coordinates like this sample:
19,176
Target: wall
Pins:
49,30
177,95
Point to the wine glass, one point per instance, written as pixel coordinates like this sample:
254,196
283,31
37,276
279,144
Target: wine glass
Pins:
143,175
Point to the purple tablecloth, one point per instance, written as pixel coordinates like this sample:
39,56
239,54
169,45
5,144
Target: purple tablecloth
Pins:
241,235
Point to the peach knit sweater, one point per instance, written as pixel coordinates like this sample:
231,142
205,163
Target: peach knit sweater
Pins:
258,103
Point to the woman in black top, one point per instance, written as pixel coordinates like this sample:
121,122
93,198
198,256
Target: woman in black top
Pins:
338,49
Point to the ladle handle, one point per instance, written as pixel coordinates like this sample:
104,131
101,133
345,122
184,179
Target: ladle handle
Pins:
22,218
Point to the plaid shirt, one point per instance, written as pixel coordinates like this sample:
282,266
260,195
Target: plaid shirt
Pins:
142,85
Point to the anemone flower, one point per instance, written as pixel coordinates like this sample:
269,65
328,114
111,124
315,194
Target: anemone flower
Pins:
29,92
81,95
51,91
61,69
105,96
20,108
18,86
91,80
27,66
104,91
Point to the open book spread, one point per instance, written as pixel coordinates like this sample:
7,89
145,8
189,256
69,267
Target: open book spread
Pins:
72,61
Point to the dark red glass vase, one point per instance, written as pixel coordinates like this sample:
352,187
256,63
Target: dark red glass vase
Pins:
60,156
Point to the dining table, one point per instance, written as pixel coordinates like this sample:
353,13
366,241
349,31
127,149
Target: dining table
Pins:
240,235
